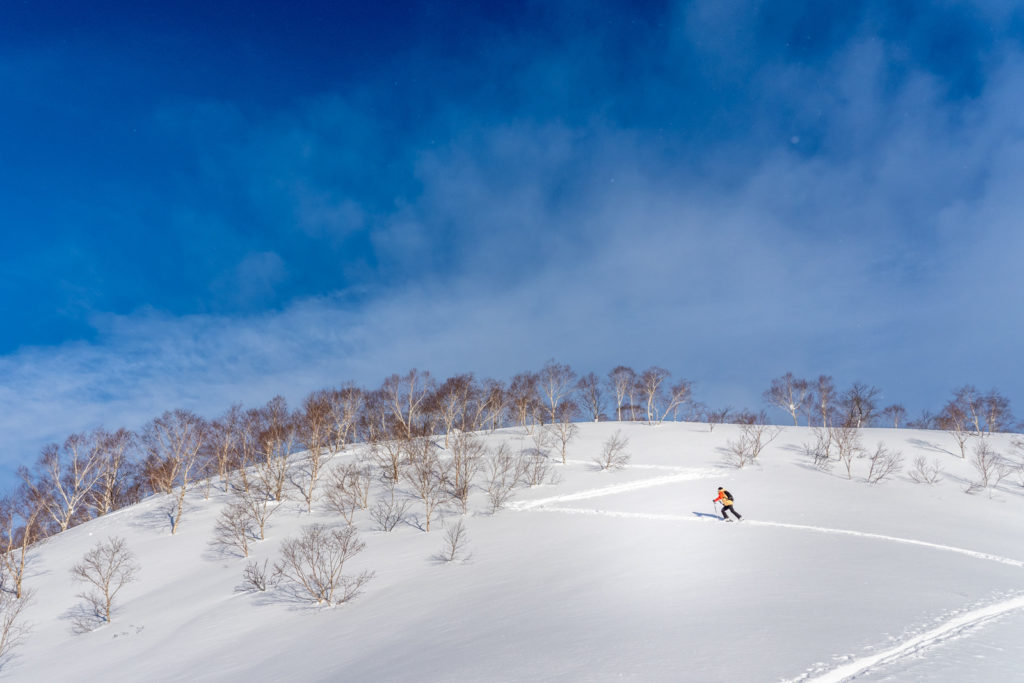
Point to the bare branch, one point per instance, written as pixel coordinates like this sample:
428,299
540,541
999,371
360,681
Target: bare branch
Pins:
613,454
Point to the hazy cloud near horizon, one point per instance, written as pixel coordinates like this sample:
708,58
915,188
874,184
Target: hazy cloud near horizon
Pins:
850,209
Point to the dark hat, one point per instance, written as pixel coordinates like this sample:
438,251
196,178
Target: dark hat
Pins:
720,488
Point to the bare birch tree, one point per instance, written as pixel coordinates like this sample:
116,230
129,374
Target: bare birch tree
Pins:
824,398
20,524
622,381
406,397
467,454
996,413
968,400
234,528
64,478
347,490
256,497
175,440
250,428
110,490
451,401
391,455
495,403
956,422
524,399
859,405
556,381
984,414
502,474
313,426
650,383
224,444
563,429
346,404
846,439
426,476
591,396
895,414
106,569
276,443
790,394
678,395
534,466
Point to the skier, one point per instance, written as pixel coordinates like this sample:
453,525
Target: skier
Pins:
725,498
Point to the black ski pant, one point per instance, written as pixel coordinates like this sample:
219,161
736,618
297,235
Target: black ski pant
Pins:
728,508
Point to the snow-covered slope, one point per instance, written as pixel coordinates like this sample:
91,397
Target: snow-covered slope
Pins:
605,575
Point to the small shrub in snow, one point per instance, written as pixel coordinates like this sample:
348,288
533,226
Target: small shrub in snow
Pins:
107,568
989,465
564,430
389,512
847,446
426,475
737,453
312,565
467,453
715,417
20,532
821,449
925,472
13,629
613,453
258,502
534,467
754,436
502,472
347,490
255,577
542,439
389,454
884,463
233,529
455,541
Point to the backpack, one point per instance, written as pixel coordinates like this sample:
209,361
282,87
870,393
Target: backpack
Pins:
728,496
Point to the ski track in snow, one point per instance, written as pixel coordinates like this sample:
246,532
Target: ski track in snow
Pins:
543,503
949,629
844,672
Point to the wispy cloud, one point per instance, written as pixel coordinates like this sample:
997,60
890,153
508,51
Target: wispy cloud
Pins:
847,209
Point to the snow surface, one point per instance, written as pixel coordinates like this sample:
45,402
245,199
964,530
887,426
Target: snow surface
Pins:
605,575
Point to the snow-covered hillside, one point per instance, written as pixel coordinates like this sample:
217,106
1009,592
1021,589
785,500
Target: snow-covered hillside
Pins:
605,575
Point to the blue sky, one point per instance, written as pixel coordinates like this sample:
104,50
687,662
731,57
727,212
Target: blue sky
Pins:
206,203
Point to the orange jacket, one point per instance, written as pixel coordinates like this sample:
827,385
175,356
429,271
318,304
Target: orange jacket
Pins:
722,498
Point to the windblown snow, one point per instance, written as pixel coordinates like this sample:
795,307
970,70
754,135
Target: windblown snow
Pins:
598,575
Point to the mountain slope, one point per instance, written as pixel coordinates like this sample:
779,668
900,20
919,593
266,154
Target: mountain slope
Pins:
605,575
